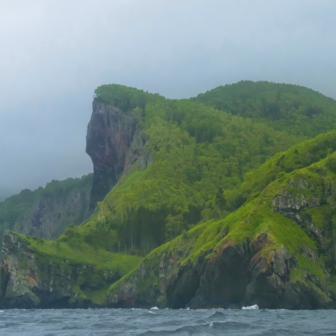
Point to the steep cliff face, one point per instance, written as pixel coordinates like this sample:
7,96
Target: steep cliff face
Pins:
46,212
51,214
237,275
109,136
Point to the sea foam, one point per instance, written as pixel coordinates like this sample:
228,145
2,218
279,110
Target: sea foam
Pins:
251,307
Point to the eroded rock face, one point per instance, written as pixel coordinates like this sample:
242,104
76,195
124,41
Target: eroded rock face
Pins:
109,136
52,213
236,275
31,280
114,142
295,203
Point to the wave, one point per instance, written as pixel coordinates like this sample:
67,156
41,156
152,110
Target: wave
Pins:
217,314
251,307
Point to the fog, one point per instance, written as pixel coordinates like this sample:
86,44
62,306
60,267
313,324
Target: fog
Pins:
55,53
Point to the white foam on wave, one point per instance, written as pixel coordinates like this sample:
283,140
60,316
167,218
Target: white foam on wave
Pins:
1,311
154,308
251,307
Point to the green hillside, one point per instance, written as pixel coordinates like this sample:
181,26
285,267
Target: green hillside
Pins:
197,153
218,181
299,156
287,229
200,156
290,108
286,235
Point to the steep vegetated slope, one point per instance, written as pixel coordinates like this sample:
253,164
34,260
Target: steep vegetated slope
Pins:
277,251
185,154
174,166
299,156
290,108
46,212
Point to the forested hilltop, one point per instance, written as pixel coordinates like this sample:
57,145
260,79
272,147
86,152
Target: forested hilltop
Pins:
290,108
196,170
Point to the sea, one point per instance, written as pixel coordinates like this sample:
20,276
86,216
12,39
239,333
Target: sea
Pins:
249,321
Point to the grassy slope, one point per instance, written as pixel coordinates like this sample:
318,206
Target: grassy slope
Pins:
299,156
101,262
256,217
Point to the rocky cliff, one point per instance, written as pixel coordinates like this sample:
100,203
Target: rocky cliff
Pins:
109,136
237,275
68,272
52,213
41,274
47,212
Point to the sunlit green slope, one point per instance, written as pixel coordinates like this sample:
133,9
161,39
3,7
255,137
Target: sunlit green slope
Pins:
277,250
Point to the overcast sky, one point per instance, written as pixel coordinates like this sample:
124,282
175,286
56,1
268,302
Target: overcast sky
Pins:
55,53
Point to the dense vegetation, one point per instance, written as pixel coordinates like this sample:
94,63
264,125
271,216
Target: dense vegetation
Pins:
290,108
124,97
297,157
202,148
219,160
201,155
312,242
310,192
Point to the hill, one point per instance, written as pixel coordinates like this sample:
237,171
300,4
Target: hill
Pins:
290,108
168,177
277,251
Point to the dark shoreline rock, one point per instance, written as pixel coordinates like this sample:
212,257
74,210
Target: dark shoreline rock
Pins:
29,279
237,275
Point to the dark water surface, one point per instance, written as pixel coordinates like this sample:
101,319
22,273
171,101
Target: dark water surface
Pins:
166,322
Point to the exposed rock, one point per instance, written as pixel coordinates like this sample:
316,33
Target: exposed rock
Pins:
52,213
114,143
236,275
286,201
138,152
47,212
294,202
32,280
109,136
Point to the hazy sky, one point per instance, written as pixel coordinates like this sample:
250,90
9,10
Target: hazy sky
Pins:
55,53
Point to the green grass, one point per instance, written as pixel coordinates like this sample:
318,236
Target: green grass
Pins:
85,254
128,180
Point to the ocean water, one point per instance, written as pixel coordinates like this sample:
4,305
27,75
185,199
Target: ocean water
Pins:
166,322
